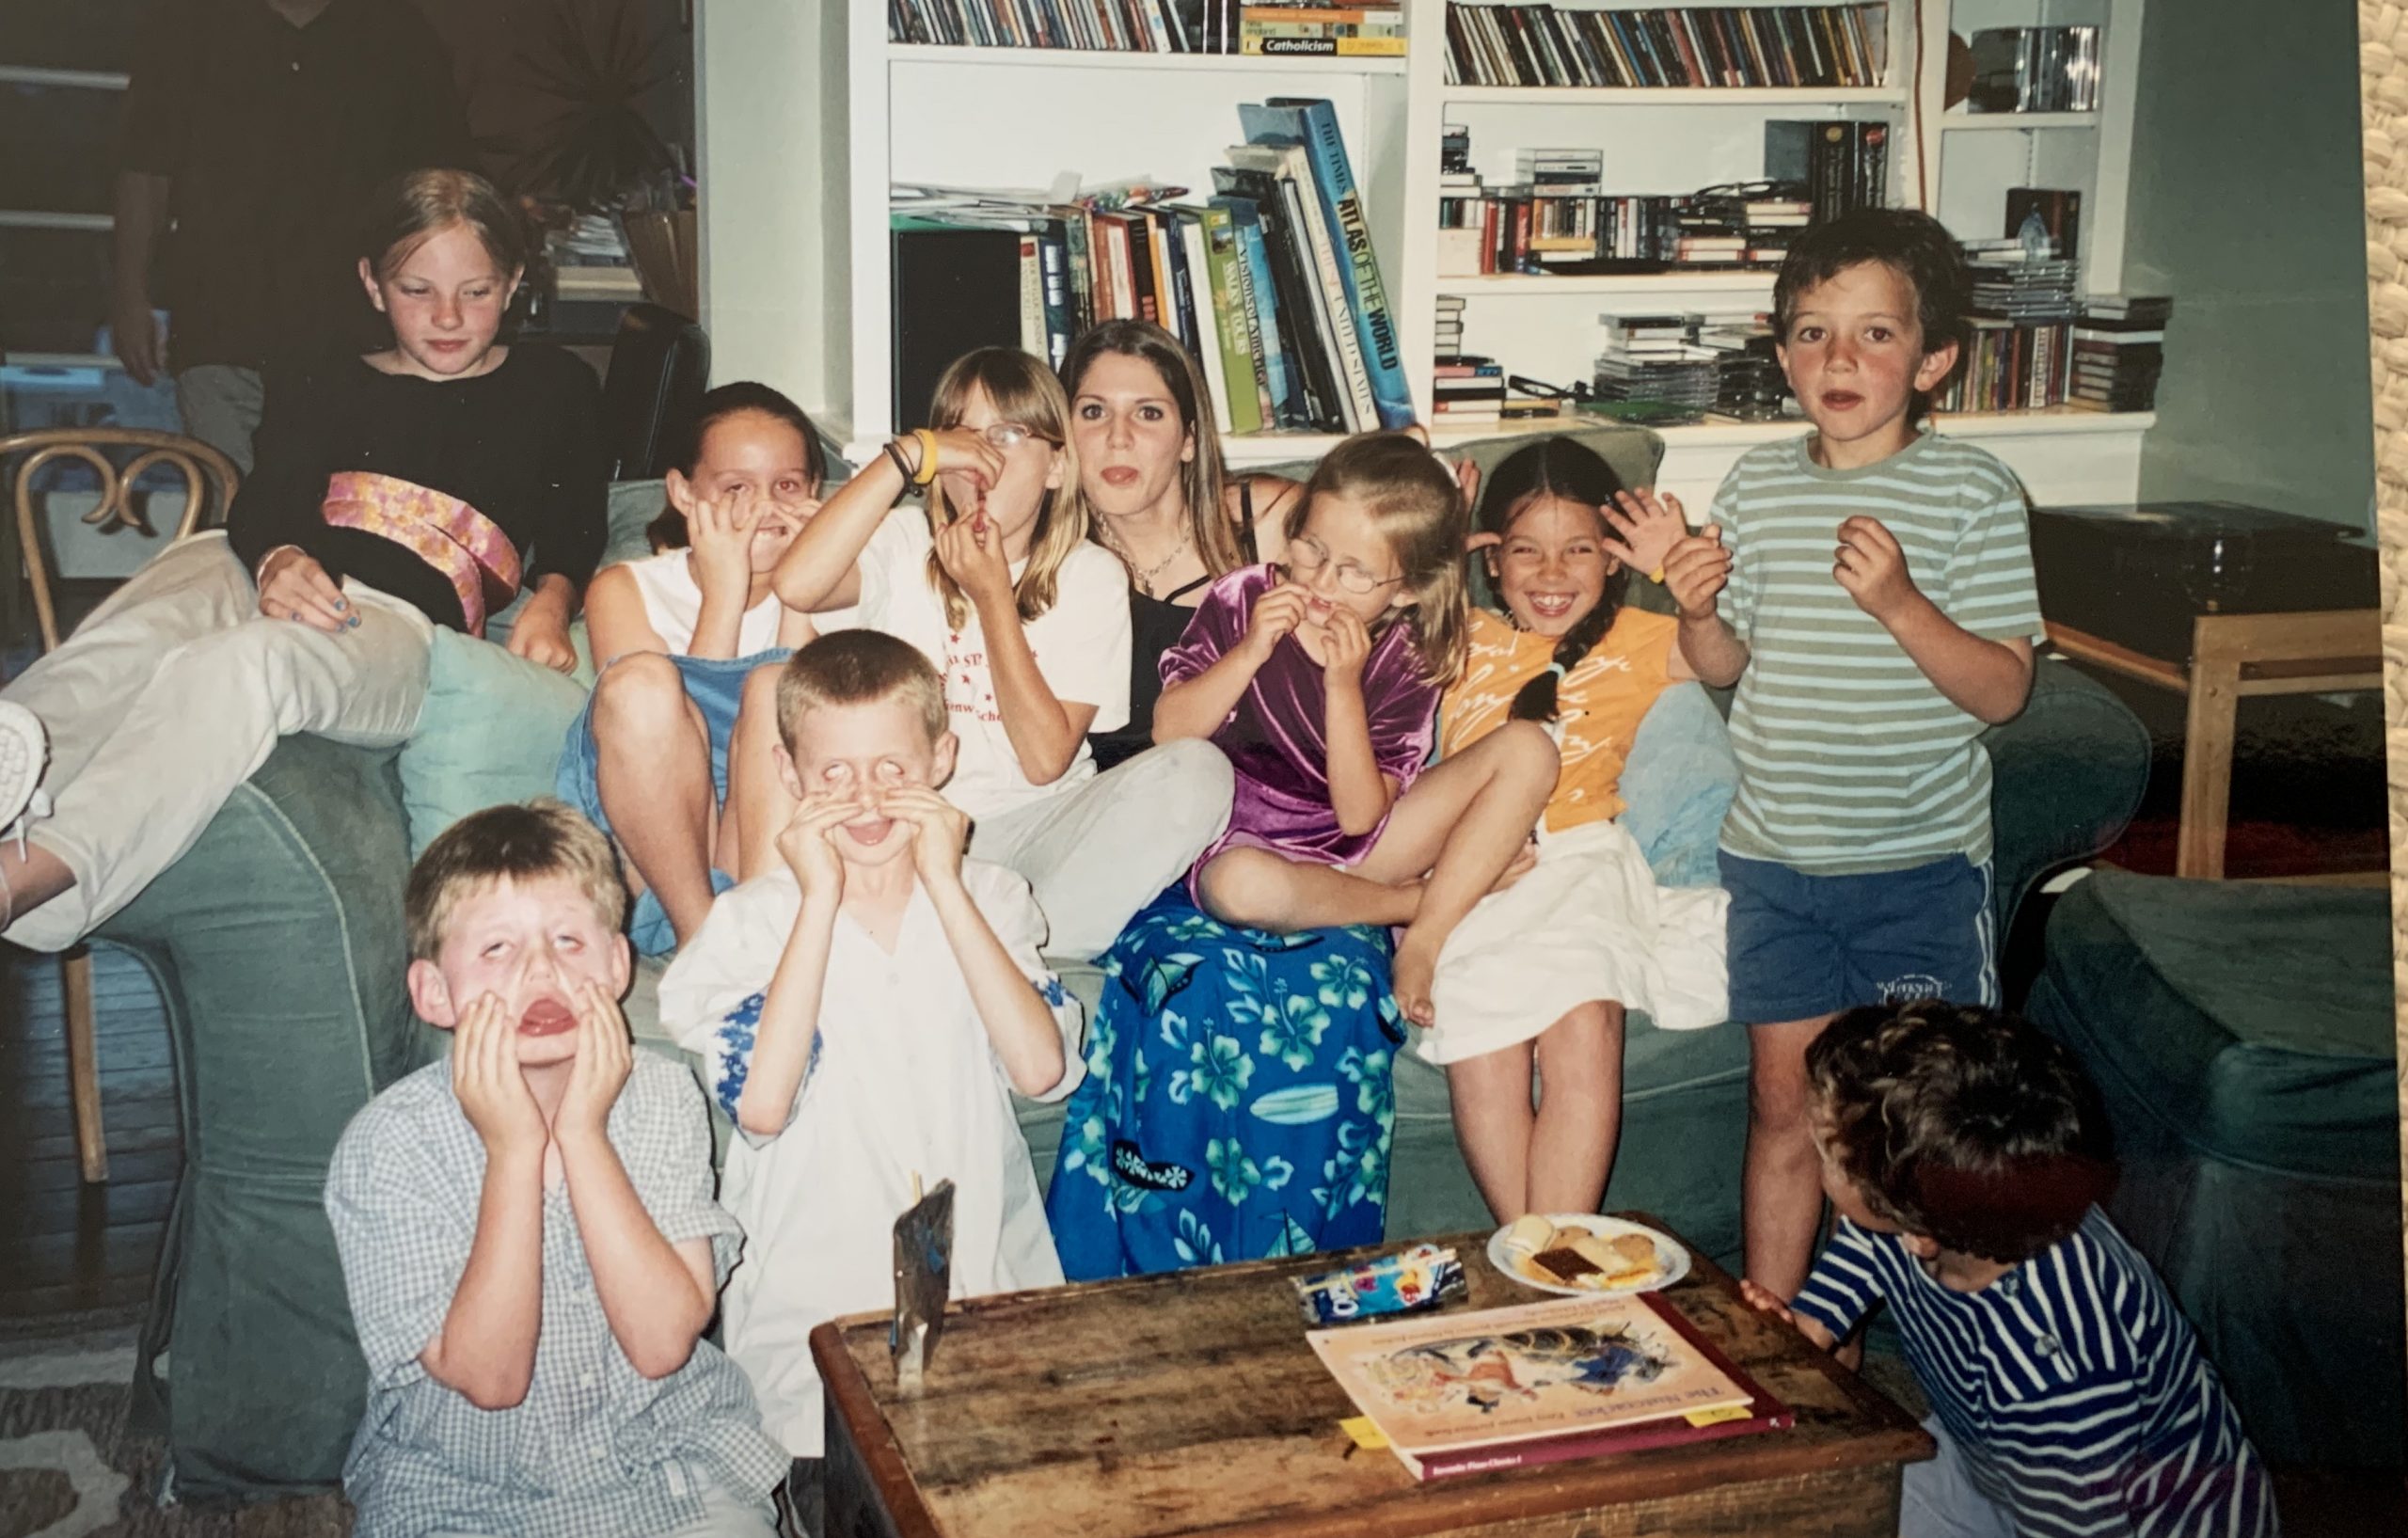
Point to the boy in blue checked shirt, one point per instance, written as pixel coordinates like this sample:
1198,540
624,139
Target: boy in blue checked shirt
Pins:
1868,587
528,1232
1964,1152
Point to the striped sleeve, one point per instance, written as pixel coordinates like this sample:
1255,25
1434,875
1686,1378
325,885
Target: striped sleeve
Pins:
1845,1285
1737,604
1988,582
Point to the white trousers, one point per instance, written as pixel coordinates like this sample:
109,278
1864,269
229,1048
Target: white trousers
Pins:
1096,854
171,695
1938,1499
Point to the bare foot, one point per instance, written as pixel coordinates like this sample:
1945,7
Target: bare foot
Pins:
1410,975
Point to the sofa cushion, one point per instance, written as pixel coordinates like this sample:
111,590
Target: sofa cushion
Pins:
2247,1024
1677,785
491,733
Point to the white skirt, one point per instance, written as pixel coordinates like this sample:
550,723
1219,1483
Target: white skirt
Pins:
1588,923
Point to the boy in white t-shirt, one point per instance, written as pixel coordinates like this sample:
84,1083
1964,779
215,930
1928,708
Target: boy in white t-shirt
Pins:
1027,623
864,1014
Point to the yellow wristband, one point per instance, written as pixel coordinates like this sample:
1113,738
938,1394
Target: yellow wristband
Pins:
927,470
1656,576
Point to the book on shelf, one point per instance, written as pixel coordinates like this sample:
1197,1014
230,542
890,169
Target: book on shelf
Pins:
2034,69
2009,365
1368,28
1541,1382
1842,164
1531,43
1312,125
957,286
2118,353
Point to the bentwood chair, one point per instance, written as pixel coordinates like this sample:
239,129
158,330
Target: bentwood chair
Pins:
209,480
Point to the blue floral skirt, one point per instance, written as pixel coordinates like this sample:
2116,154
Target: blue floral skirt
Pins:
1237,1100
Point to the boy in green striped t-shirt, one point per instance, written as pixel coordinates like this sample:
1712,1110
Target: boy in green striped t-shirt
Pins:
1869,589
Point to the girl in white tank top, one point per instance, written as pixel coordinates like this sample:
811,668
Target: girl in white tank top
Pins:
677,636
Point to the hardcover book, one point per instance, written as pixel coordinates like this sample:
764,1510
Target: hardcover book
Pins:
1541,1382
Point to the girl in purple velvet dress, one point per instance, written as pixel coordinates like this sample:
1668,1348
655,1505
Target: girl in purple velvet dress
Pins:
1320,682
1237,1101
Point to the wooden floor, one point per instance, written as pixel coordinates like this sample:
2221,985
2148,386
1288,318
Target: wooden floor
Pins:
66,1247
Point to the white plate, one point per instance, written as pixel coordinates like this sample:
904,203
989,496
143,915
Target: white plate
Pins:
1669,1255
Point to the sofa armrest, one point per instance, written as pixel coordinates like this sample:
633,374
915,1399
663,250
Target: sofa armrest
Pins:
2066,775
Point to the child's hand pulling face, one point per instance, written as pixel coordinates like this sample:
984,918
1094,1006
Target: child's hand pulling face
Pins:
860,772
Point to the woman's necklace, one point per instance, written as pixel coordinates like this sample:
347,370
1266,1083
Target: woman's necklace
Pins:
1145,579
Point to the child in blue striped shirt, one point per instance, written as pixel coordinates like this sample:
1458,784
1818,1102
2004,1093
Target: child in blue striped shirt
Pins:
1965,1153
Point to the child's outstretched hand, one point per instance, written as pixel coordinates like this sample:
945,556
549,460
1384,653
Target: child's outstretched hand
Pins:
719,533
971,551
1651,526
1277,613
491,1087
1763,1302
940,832
605,1057
1345,642
1696,570
1872,566
808,842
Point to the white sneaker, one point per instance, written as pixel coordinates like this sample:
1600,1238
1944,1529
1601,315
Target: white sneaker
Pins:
23,749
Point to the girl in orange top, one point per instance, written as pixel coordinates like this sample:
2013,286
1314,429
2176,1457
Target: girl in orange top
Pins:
1546,968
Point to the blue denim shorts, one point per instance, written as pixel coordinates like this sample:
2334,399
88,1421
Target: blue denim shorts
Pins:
1804,947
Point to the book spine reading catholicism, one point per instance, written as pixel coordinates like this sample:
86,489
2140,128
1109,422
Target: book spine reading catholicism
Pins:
1461,1394
1273,284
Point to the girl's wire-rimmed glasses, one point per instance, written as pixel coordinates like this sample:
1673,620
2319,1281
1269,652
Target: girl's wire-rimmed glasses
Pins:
1306,554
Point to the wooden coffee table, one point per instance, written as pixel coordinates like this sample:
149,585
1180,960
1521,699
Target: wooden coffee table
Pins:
1191,1404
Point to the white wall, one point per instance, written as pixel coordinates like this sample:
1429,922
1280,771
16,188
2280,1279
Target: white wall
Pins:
770,124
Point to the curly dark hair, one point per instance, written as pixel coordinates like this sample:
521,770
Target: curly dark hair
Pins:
1961,1124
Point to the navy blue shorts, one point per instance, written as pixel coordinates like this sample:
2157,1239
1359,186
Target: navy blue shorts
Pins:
1804,947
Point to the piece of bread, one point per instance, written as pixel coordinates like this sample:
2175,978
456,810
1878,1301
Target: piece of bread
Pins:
1530,1234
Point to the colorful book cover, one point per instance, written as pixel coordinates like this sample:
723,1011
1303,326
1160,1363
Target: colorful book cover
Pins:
1312,123
1541,1383
1324,276
1262,310
1241,400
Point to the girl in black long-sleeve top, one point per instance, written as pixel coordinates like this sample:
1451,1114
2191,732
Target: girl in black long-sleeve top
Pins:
419,486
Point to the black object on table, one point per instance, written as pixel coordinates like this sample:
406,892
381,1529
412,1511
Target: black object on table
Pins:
2139,574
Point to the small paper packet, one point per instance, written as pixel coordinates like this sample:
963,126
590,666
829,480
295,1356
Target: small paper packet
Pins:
1412,1279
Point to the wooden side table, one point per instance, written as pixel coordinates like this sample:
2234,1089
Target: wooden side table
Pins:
1191,1404
2235,656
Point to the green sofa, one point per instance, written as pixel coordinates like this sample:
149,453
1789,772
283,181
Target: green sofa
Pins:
276,944
2254,1097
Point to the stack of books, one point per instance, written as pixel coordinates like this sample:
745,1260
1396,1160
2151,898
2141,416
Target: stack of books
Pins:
2018,340
1465,388
2035,69
1273,284
1841,164
1539,45
2119,352
1655,359
1449,341
1360,29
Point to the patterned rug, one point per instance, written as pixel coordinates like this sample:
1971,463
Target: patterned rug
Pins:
69,1466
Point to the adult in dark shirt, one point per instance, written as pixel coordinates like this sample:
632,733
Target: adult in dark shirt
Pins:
412,488
254,131
1149,463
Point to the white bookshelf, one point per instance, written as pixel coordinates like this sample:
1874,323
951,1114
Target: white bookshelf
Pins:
1015,118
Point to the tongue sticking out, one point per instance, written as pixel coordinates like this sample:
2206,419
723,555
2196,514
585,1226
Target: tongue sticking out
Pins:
545,1017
